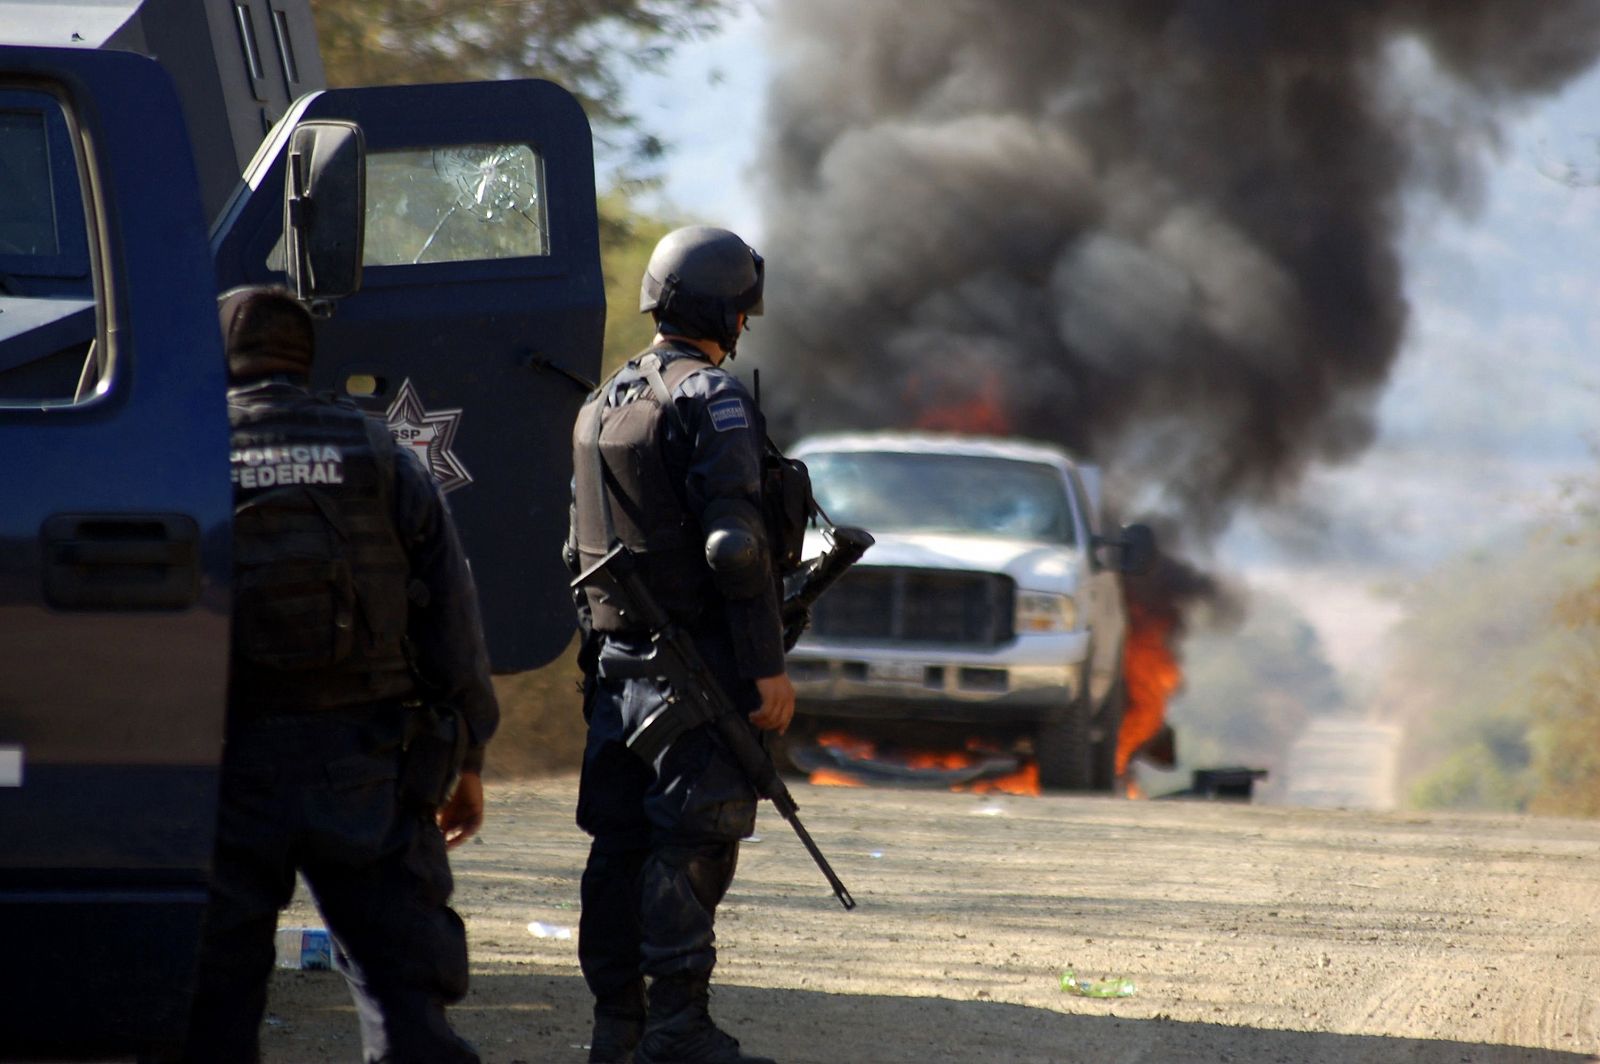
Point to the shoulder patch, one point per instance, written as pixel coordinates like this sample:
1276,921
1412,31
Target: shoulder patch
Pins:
728,414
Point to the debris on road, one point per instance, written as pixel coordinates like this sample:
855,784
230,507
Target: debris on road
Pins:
1114,986
539,929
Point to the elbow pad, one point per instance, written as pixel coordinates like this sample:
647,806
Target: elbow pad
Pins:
736,550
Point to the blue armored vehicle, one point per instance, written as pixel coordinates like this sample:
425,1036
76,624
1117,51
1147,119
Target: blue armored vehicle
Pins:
153,155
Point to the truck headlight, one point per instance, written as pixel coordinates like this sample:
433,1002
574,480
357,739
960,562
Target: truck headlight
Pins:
1043,611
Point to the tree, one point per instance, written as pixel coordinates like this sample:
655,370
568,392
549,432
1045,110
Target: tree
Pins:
627,237
1566,740
587,46
1496,672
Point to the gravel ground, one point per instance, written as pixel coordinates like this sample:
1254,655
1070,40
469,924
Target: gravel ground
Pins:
1250,933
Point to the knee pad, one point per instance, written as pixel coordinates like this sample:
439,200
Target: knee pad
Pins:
710,872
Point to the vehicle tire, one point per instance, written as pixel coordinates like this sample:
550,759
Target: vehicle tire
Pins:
1108,729
1062,748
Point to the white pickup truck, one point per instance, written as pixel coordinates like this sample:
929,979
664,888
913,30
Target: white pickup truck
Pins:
991,605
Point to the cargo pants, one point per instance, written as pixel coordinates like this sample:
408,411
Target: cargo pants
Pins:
665,836
318,794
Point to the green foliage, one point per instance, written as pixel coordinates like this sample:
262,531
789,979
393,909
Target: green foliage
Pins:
1248,693
587,46
627,237
1566,737
1472,777
1497,666
1566,742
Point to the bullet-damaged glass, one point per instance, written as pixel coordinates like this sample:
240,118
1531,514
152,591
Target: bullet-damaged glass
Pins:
471,201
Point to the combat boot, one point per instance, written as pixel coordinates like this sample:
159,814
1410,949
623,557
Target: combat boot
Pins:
618,1025
679,1029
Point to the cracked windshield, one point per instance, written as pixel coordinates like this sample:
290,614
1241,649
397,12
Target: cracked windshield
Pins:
474,201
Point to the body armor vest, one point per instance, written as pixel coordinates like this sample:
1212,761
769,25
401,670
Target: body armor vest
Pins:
320,576
643,497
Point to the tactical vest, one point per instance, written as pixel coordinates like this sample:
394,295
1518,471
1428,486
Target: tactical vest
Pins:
643,496
320,575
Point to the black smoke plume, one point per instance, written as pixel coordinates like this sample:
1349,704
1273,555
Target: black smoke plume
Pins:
1160,232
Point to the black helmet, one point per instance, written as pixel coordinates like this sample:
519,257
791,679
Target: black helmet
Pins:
700,280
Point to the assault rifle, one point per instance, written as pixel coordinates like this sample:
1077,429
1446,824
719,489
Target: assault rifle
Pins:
695,697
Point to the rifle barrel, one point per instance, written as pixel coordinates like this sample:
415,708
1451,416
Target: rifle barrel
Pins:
839,890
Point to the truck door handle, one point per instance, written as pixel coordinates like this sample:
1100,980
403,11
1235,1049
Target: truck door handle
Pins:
121,561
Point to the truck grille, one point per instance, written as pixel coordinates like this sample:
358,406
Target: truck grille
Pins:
885,604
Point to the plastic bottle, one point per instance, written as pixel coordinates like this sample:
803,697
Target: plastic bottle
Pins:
1116,986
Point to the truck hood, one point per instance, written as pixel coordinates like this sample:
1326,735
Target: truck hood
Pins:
1034,566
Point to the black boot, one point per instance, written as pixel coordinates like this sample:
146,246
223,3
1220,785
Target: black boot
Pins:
679,1029
618,1025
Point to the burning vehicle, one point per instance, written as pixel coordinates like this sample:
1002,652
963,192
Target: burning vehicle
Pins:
990,612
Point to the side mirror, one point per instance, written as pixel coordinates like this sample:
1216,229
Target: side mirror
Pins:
324,210
1135,547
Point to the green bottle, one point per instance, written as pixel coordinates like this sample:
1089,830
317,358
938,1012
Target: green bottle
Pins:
1109,987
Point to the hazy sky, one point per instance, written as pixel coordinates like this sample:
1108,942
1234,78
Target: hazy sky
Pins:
1494,398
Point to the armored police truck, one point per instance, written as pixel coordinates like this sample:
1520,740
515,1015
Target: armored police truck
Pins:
150,154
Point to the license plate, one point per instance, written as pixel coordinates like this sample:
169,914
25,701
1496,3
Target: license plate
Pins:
895,672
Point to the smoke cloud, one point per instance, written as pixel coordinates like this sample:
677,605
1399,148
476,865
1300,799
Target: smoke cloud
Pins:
1160,232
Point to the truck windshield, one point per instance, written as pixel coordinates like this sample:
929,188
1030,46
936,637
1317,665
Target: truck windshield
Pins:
974,495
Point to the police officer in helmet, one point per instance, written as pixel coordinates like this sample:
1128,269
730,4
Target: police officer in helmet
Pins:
667,458
359,704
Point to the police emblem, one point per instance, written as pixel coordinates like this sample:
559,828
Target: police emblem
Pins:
728,414
430,434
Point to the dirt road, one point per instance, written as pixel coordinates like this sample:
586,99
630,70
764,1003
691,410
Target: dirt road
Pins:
1285,935
1343,762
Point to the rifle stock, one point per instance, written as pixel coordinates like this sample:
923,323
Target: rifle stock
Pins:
696,697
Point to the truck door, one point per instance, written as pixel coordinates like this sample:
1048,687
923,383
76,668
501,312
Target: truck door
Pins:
114,554
479,319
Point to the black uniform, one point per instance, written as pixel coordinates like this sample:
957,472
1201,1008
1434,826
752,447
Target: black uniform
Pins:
666,835
353,603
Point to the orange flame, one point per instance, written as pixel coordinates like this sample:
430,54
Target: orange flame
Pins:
1151,674
982,412
1025,780
848,744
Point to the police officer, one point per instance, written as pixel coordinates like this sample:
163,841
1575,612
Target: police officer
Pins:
359,685
667,458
